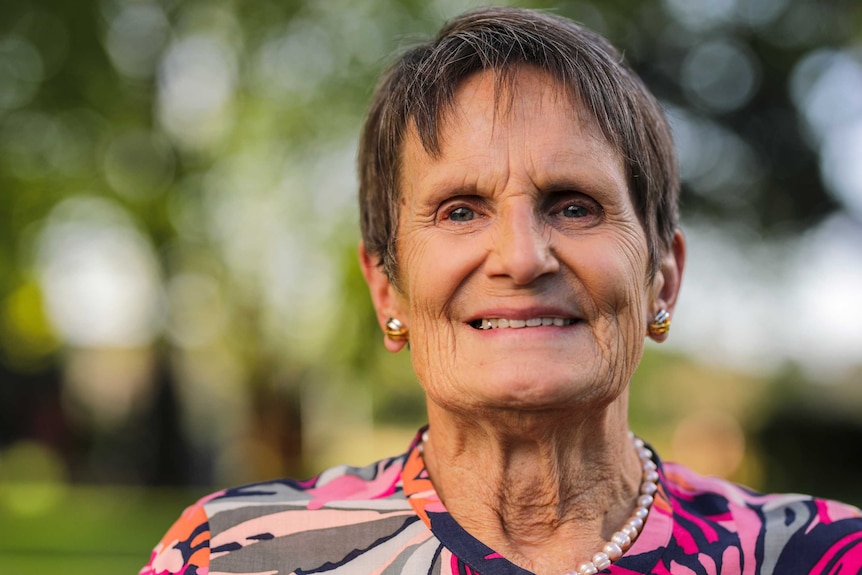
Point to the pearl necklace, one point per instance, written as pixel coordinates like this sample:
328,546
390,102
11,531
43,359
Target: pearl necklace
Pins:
625,537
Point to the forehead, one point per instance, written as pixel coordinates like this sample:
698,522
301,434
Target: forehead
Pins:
524,118
508,93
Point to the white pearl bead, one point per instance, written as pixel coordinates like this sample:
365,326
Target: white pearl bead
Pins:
601,560
612,550
645,500
621,539
648,488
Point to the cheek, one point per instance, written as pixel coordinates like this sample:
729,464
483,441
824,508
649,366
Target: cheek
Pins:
434,267
614,274
615,280
434,270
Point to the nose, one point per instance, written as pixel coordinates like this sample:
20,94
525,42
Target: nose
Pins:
521,247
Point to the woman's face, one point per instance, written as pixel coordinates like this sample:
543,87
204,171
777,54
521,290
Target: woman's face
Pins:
525,220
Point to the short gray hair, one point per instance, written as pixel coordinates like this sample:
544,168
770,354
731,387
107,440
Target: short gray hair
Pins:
420,86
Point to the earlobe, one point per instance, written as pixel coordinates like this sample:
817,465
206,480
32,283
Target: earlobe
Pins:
669,280
383,296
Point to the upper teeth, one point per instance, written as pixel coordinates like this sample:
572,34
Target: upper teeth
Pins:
493,323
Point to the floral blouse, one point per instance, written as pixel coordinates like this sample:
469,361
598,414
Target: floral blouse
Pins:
386,518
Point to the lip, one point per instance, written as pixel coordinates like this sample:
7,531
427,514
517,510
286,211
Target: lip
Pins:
524,313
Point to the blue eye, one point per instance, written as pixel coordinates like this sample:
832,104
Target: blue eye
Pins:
575,211
462,215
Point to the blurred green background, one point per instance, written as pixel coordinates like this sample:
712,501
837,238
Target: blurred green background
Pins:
180,306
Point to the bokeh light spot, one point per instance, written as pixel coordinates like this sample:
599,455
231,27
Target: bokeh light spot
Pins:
99,275
20,72
701,14
32,478
197,80
711,443
720,75
136,36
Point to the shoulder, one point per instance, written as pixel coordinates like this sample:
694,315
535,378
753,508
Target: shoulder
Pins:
374,482
786,531
234,518
185,546
696,491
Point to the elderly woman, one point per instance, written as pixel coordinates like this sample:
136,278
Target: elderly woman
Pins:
519,219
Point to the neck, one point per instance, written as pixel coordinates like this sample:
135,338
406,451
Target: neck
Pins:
544,489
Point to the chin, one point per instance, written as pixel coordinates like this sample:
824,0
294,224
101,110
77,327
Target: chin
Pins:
544,391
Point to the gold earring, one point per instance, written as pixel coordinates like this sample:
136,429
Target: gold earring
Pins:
395,330
660,325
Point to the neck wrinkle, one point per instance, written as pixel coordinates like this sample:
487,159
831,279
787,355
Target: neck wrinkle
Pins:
544,490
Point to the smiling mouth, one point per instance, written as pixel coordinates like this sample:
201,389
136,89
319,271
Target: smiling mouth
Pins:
502,323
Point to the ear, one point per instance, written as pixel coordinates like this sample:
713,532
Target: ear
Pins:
384,296
668,280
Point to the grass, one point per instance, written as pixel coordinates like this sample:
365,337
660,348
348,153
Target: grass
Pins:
83,530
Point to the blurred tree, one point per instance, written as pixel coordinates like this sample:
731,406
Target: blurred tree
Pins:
217,137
